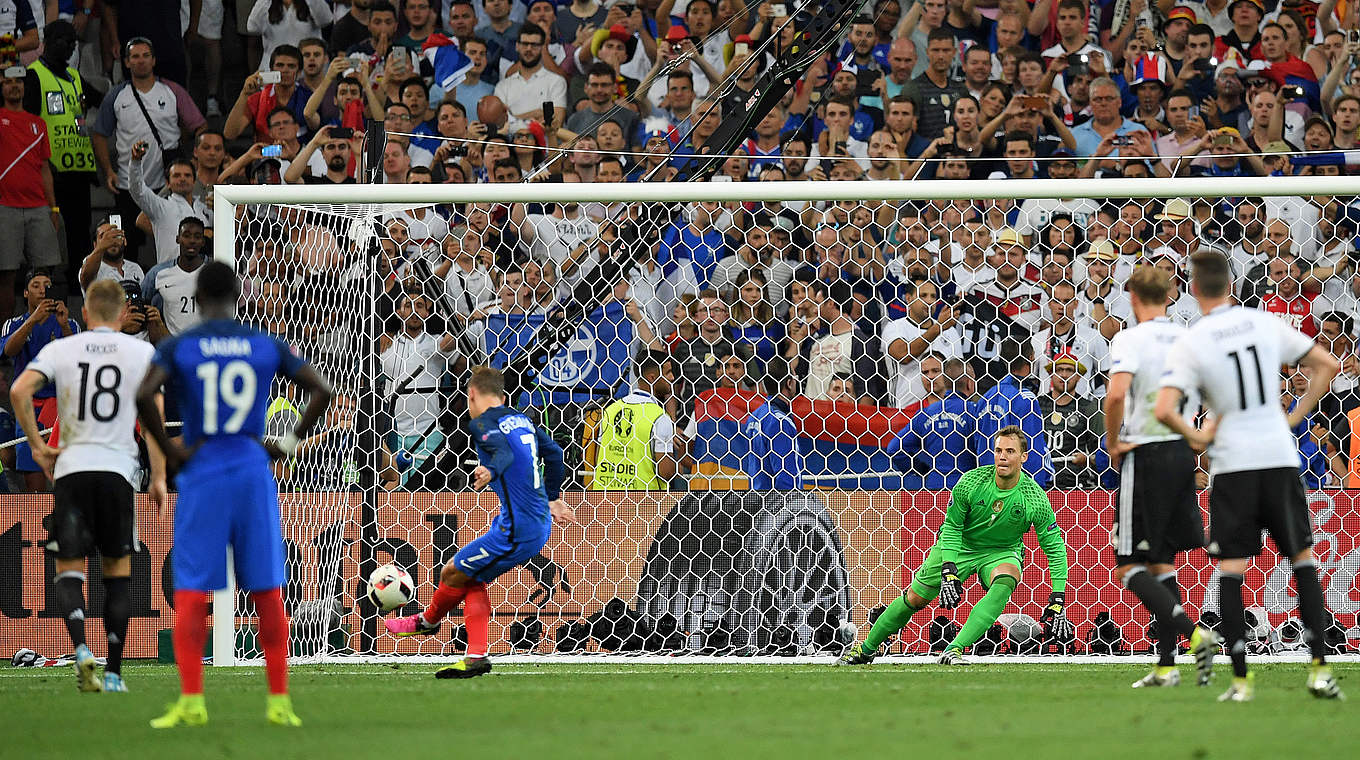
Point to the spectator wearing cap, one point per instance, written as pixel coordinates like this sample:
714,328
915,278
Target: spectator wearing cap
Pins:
45,319
1228,106
144,108
532,84
602,104
1073,422
616,46
934,91
1106,120
1245,36
1013,293
1149,88
1100,301
1229,156
29,215
1175,36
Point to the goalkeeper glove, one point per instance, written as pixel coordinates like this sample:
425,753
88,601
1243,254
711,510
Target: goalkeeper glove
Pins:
951,588
1054,621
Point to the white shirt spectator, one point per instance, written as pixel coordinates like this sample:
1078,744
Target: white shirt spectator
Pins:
289,29
905,386
967,280
426,230
172,290
165,213
858,150
466,290
1035,213
130,272
1302,216
120,118
414,365
522,94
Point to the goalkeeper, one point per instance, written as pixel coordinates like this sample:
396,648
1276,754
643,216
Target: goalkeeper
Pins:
991,509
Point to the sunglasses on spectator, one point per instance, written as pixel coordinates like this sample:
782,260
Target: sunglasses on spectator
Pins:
127,47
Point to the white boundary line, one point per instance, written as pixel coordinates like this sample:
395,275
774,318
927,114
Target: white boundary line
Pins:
732,660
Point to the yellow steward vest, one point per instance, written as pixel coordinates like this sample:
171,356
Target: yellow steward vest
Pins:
63,108
624,459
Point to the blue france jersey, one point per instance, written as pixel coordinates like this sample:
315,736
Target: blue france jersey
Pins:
526,470
220,372
938,444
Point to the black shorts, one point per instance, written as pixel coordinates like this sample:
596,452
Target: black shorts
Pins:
1156,510
1242,504
91,510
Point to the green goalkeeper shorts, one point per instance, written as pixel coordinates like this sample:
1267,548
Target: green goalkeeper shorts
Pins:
926,582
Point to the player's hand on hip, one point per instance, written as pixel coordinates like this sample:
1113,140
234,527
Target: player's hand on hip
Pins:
1054,620
481,476
951,588
561,512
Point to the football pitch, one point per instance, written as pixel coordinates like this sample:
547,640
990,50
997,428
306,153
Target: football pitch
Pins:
687,711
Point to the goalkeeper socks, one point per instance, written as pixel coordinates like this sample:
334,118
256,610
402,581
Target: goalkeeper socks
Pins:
985,612
70,598
1234,625
477,616
889,622
445,599
1311,610
273,637
117,605
191,633
1167,628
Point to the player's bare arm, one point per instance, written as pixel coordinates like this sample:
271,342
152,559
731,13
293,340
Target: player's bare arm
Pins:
21,397
1323,367
153,422
1116,394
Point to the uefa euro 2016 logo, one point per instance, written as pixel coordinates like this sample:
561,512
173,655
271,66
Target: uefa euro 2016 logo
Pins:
574,362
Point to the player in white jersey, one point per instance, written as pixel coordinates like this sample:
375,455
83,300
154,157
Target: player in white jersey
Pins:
1232,357
97,374
1157,513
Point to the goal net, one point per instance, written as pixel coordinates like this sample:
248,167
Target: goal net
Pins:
860,303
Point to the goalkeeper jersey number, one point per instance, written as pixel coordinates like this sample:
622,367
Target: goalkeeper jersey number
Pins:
982,517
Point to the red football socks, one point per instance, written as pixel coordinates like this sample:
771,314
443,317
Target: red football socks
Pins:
477,615
191,633
273,637
445,599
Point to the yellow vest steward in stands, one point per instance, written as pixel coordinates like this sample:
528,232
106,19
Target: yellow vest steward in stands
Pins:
63,109
624,459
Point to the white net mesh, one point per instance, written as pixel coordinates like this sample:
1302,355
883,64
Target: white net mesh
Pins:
889,325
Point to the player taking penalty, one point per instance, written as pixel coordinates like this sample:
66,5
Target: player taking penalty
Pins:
991,510
524,467
222,372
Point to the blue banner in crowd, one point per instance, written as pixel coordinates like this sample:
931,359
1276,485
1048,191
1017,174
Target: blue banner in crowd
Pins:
595,360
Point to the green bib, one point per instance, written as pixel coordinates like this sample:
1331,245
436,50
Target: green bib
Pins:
63,109
624,461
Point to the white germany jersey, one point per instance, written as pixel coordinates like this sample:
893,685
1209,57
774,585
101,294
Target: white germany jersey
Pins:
1233,356
1141,351
97,374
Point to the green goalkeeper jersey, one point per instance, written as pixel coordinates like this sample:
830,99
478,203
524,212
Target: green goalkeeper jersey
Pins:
983,518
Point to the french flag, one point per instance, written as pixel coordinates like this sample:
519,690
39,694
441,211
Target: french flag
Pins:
450,64
1295,72
842,443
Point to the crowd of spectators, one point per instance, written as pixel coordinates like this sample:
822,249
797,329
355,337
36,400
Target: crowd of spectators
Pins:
119,118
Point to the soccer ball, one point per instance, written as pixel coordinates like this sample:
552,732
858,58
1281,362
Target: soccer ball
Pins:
390,587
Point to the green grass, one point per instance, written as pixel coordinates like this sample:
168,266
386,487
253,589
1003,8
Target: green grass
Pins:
686,711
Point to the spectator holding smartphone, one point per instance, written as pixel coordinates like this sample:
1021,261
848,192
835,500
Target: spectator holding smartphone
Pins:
265,91
106,261
45,320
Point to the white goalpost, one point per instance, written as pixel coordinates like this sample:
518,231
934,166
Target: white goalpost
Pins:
720,278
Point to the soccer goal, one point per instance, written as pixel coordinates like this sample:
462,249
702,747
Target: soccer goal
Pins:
823,292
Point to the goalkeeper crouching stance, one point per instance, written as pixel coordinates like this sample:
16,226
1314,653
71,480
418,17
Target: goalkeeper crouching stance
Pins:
991,510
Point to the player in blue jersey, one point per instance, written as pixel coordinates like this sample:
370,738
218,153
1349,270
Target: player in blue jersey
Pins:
1010,403
221,372
938,444
524,467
